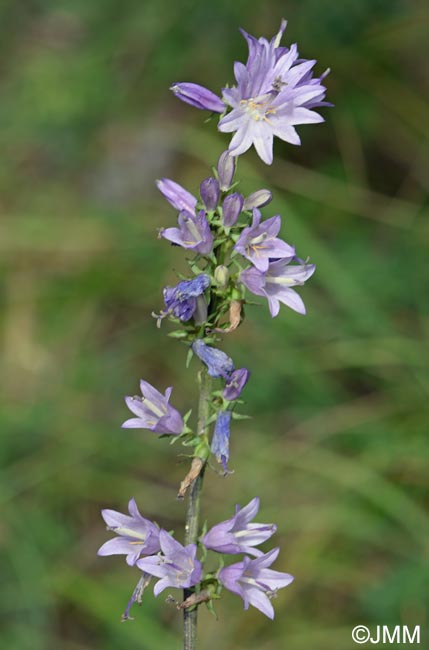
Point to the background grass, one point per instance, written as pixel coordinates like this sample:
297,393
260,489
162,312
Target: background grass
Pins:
337,448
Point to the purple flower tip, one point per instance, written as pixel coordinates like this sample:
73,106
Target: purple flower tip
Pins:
198,96
176,195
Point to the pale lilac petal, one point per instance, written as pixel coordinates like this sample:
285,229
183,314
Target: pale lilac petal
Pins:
258,599
115,546
161,585
263,141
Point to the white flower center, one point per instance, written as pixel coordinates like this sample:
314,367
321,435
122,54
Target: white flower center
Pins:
259,108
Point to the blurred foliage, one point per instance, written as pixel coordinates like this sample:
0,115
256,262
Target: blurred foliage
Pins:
337,448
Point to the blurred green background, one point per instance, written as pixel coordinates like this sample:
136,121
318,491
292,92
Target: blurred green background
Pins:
337,447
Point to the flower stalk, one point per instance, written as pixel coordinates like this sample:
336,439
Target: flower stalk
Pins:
190,616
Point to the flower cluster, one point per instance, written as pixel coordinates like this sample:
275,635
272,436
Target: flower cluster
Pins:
275,91
157,554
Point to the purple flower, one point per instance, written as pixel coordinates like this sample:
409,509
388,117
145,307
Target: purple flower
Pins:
238,535
254,582
257,199
226,170
181,300
220,441
218,363
231,208
153,411
176,195
275,284
209,190
259,242
236,382
198,96
275,91
193,232
137,535
177,566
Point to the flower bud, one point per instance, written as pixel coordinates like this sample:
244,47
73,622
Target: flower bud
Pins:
231,208
209,190
176,195
198,96
221,276
226,170
257,199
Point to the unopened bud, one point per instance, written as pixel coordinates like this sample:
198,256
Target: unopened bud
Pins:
209,190
231,208
257,199
198,96
221,276
226,170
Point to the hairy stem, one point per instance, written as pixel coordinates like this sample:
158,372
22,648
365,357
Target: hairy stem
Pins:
193,512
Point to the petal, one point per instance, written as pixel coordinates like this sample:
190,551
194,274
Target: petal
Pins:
263,141
246,514
260,600
233,121
151,565
286,132
116,546
150,393
290,298
169,545
242,140
134,423
274,306
161,585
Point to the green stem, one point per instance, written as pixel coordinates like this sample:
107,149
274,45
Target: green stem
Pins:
193,512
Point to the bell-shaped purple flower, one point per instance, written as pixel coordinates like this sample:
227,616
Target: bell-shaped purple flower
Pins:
275,92
218,363
153,411
136,535
254,582
276,282
257,199
235,384
259,242
176,195
210,191
198,96
231,208
193,232
177,566
238,534
225,170
220,440
181,300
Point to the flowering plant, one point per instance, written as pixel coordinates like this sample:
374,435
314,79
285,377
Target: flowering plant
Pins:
235,251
